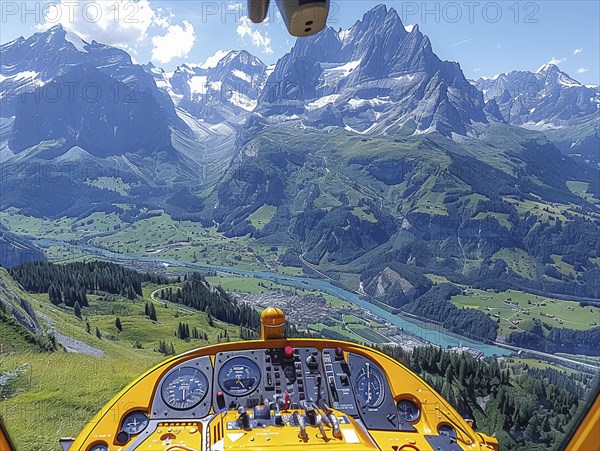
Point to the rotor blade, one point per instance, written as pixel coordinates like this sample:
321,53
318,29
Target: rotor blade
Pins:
258,10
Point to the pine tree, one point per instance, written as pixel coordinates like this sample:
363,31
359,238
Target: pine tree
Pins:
118,324
152,312
87,327
77,310
98,333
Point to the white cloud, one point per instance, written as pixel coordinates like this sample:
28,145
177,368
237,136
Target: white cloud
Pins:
177,42
477,69
126,24
120,23
576,51
213,60
556,61
582,70
258,39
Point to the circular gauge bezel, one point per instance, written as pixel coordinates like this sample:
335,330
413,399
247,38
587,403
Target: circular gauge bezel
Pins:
241,362
130,415
173,376
413,403
93,446
373,371
450,427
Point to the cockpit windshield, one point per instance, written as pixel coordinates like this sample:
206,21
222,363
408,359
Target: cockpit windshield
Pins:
414,185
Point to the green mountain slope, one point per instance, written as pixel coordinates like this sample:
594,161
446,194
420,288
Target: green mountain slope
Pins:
497,209
47,395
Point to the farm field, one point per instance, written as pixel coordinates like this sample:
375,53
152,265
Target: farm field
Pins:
156,236
514,308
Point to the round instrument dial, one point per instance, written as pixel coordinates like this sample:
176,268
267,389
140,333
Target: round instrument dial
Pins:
135,422
369,386
99,447
408,410
184,388
447,430
239,376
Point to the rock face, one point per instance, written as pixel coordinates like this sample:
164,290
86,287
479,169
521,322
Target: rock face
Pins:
220,93
548,97
37,62
374,77
16,251
551,101
393,289
106,118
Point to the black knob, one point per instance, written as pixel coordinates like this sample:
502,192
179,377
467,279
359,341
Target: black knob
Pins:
311,361
123,437
243,420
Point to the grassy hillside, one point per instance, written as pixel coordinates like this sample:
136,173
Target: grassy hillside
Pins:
514,309
57,393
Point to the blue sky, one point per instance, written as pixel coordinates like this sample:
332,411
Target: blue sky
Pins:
485,37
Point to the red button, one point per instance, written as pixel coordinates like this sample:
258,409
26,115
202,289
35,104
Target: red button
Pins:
288,352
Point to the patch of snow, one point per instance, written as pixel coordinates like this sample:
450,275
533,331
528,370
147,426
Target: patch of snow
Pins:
198,84
75,40
28,74
568,82
541,125
242,75
334,73
364,132
407,77
242,101
343,35
270,69
356,103
323,101
345,68
531,110
428,130
542,68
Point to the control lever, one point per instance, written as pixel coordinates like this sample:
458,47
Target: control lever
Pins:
335,425
276,408
309,412
331,419
324,410
244,419
300,420
319,424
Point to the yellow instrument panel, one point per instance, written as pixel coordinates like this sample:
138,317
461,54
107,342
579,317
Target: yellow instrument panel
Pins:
278,393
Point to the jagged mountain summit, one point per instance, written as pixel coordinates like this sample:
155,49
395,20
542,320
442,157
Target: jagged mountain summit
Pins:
215,94
544,99
375,77
551,101
34,62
